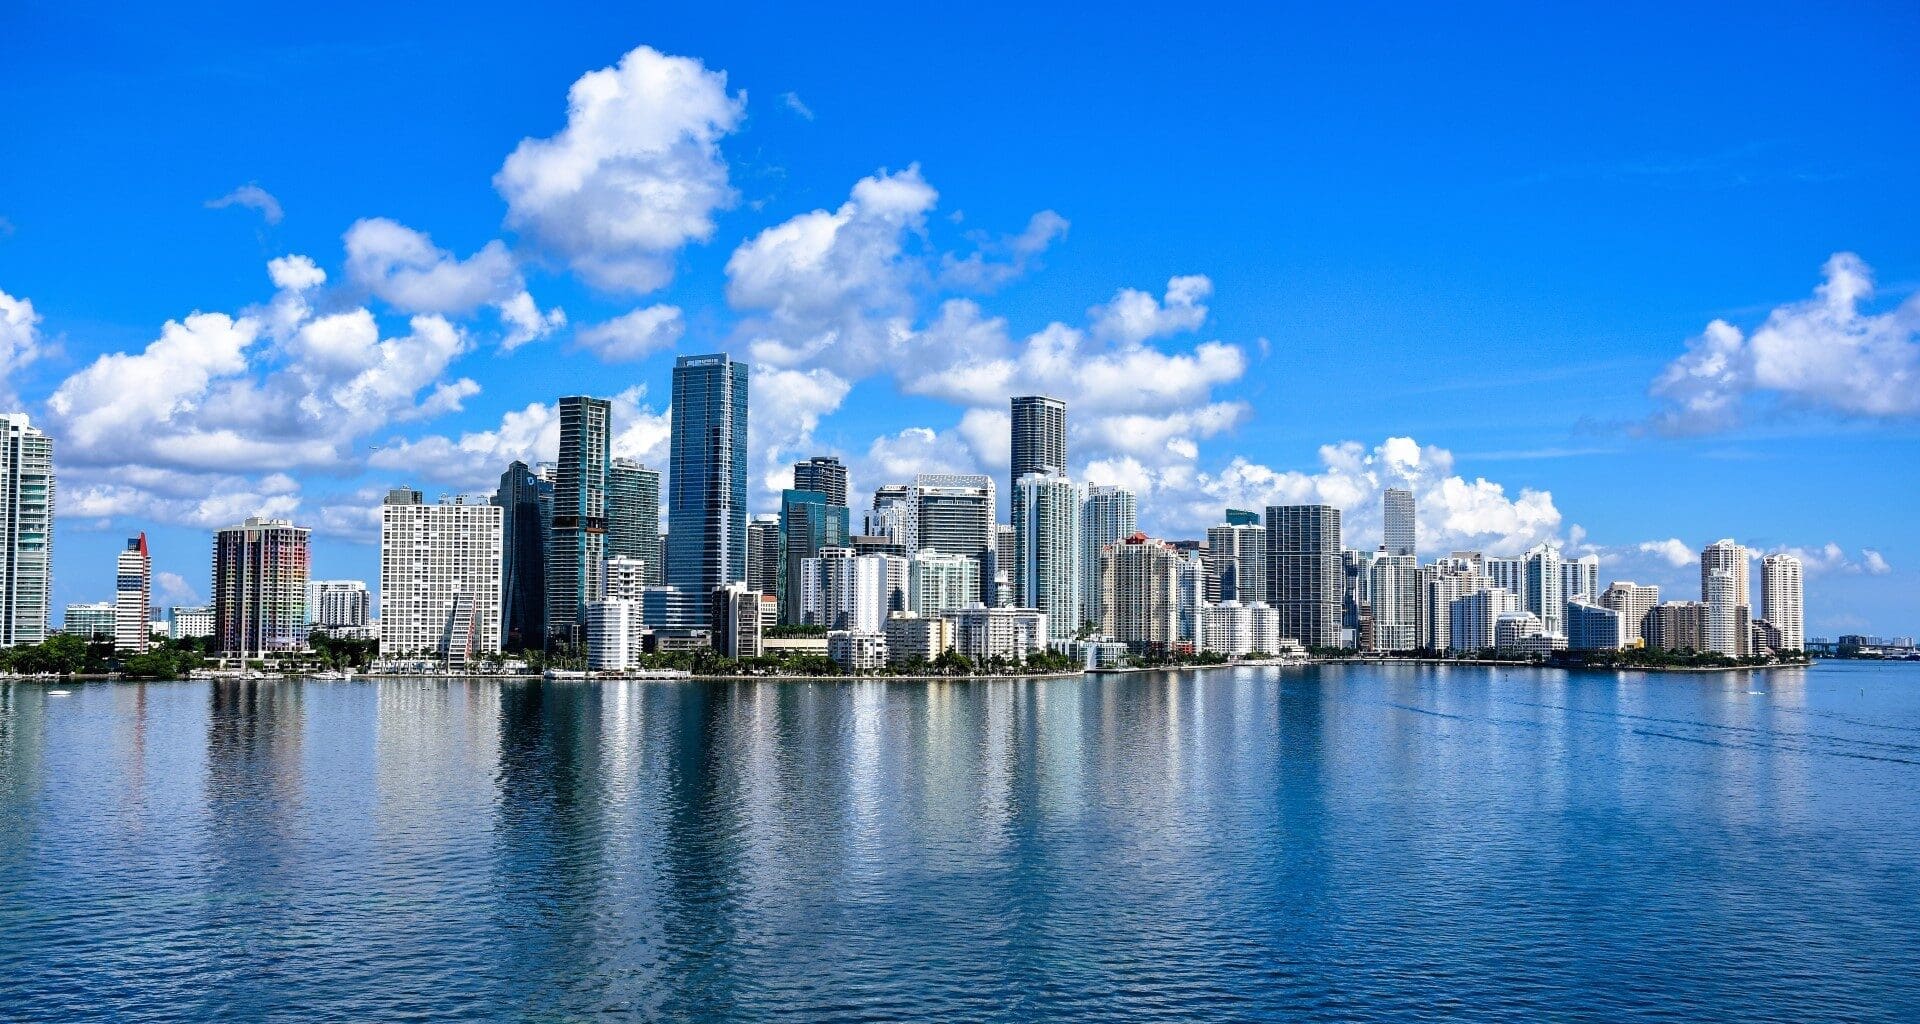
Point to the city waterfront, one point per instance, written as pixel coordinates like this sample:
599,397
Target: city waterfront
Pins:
1353,841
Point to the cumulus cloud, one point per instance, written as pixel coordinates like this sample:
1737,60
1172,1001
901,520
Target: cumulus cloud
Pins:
1821,353
19,341
835,289
634,335
253,197
403,268
635,175
1673,551
147,494
1134,316
475,459
787,407
994,263
1832,558
171,588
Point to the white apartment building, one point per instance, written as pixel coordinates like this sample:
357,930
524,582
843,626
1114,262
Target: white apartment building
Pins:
1395,583
1634,602
338,604
911,637
191,621
1781,599
621,578
857,650
1474,616
616,639
1442,583
26,531
981,632
1236,630
844,590
1725,623
1046,555
439,577
133,598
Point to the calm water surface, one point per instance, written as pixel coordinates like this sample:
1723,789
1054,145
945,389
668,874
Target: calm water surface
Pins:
1375,843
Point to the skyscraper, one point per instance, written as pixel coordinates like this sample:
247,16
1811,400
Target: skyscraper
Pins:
763,555
1304,574
1242,517
1109,515
260,570
1238,554
809,523
1634,603
823,473
526,513
1780,593
1580,577
1723,613
1732,557
132,602
1543,597
1046,558
440,570
26,531
954,515
1396,509
1141,593
633,515
1039,436
707,483
1395,584
338,604
579,511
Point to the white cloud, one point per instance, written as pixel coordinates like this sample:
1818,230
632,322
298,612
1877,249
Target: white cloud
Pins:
835,289
295,273
19,341
474,460
899,457
1821,353
1673,551
203,500
1133,316
406,270
253,197
994,263
635,175
792,100
1874,563
634,335
1832,558
787,408
171,588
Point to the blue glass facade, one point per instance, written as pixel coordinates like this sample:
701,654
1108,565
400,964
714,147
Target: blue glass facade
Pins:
809,521
707,484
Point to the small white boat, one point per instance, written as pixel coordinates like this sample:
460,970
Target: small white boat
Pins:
58,693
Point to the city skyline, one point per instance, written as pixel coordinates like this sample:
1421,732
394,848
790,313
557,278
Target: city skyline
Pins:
417,316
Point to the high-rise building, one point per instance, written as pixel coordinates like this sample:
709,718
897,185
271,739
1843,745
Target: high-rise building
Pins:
440,569
1634,602
1781,597
1046,550
526,518
1510,575
1140,588
1442,583
1677,626
1305,578
1472,618
954,515
1108,515
1724,621
579,535
93,620
1580,578
842,590
1238,558
1395,583
1236,629
707,508
338,604
809,524
26,531
1039,436
1242,517
1543,596
621,579
1397,516
133,598
823,473
939,582
633,515
1592,627
764,556
1356,599
981,633
888,515
260,571
1732,557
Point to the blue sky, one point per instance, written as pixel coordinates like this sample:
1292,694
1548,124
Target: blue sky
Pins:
1251,248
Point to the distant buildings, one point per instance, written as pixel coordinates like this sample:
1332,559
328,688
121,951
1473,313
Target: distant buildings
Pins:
707,476
338,604
1634,603
825,474
1305,578
188,622
525,499
939,582
1731,557
1108,515
440,578
982,633
1592,627
96,620
26,531
1236,630
633,515
1394,581
954,515
260,570
1473,619
133,598
735,621
809,523
1046,555
1039,441
1238,554
1677,626
1140,580
841,589
1397,517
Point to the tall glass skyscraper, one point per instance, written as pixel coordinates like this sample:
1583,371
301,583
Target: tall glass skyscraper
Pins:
579,511
809,521
1046,540
526,510
1039,436
707,485
633,515
1109,515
